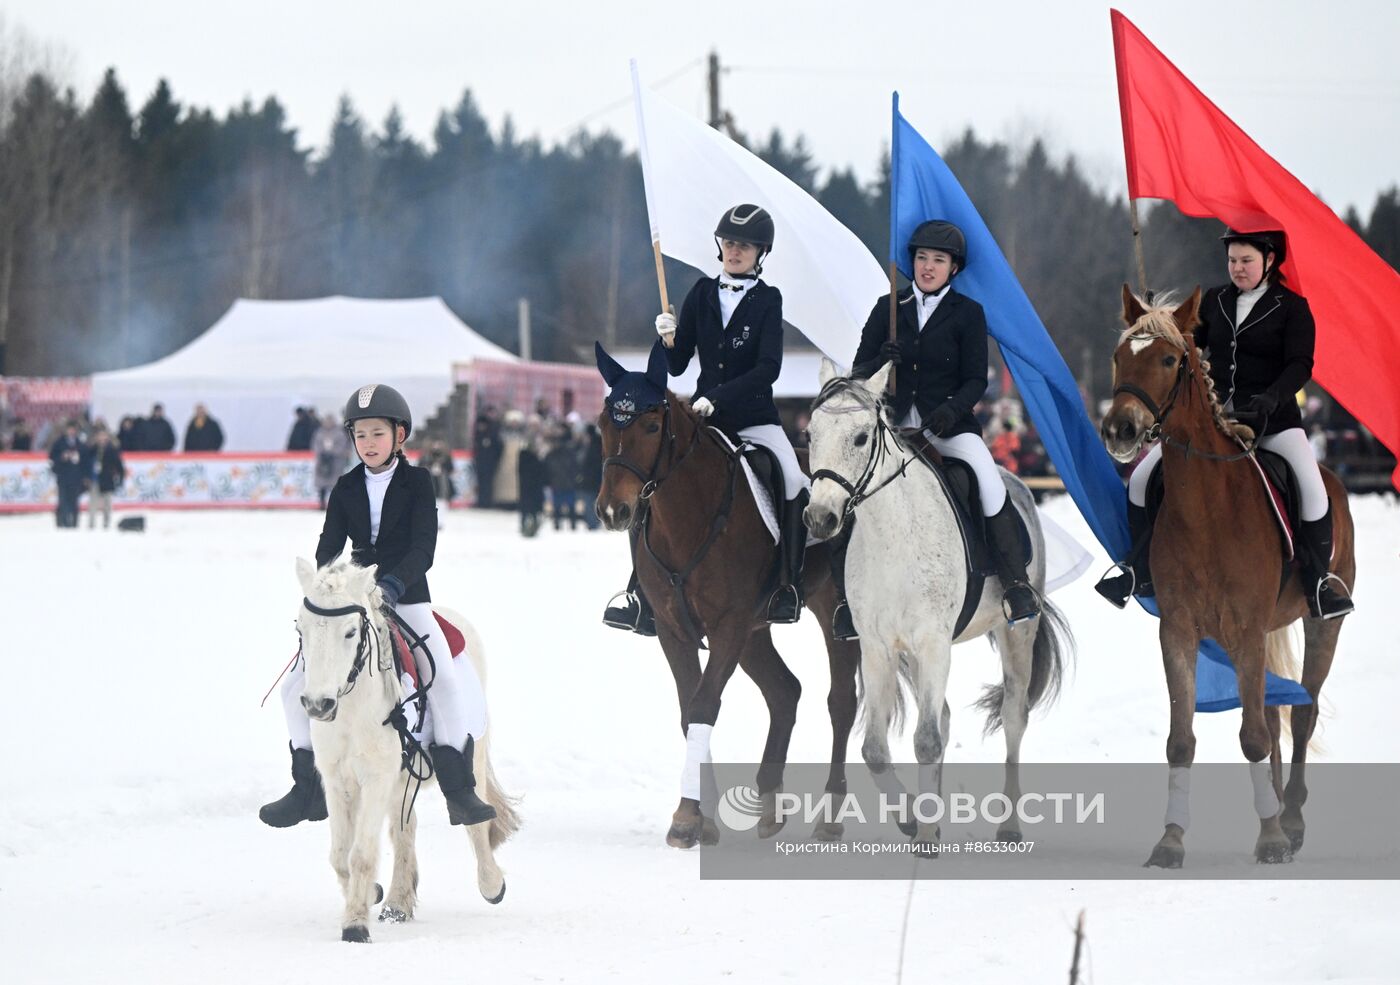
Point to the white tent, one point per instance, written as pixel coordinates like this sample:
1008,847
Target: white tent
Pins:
263,359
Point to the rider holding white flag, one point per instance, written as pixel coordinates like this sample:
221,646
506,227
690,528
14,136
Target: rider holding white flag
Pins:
733,323
386,508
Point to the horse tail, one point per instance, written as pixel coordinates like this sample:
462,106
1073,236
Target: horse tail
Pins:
1054,644
507,819
1281,657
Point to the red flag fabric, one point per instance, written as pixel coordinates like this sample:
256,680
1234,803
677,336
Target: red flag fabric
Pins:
1180,146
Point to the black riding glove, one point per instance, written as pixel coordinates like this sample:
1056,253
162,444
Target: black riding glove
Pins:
941,421
890,352
1263,404
391,589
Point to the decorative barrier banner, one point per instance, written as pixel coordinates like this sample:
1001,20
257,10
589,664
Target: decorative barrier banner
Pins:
199,480
1048,821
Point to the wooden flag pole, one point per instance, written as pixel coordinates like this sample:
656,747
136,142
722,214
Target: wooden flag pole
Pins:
1137,251
668,341
894,319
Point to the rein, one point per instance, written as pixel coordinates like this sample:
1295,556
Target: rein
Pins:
410,747
1160,415
859,491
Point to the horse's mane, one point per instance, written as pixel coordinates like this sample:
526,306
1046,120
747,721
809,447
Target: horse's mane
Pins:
843,385
337,578
1158,322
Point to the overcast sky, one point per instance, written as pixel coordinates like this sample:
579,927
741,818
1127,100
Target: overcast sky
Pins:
1316,84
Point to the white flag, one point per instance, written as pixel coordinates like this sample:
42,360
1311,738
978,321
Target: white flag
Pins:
693,173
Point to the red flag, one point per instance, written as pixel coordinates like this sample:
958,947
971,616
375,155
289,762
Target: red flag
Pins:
1179,146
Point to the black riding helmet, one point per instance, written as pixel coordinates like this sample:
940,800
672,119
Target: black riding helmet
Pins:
939,235
378,400
746,224
1266,241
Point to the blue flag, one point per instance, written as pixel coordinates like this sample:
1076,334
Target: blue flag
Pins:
921,188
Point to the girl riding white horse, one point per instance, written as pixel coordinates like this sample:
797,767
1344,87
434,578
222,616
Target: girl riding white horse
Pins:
349,692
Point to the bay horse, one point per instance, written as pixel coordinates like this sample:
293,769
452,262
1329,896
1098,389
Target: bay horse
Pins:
1216,558
351,689
706,562
907,592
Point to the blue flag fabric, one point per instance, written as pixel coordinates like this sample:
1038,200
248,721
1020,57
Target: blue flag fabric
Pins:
922,187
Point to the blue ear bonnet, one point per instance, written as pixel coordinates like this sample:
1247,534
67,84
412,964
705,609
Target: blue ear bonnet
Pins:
632,394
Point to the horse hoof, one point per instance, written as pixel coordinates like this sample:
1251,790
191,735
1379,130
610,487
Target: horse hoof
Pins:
355,934
908,827
1165,857
1294,828
1273,853
1295,839
1009,837
709,832
687,836
392,914
829,831
493,900
768,827
378,894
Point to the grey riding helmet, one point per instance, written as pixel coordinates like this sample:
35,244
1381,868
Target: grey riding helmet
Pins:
378,400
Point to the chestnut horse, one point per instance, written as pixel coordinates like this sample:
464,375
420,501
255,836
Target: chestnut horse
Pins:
706,562
1216,560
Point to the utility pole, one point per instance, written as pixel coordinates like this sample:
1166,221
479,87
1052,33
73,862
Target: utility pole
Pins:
716,119
523,311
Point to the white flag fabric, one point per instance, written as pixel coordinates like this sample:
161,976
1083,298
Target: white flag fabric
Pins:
693,173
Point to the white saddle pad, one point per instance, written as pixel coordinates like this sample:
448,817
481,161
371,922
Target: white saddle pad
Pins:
761,495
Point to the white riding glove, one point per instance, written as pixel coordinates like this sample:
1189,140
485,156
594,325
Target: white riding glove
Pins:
702,406
666,328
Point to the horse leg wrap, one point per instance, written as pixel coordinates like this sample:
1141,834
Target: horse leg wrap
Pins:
1265,797
697,753
1179,797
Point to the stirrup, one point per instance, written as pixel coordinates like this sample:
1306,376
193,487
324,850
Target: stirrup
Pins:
1126,569
1006,608
634,604
836,633
783,594
1316,600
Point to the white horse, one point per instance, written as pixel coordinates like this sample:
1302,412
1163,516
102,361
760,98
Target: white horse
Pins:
906,577
351,689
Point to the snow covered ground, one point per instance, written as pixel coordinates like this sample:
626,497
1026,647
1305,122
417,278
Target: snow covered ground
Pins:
135,757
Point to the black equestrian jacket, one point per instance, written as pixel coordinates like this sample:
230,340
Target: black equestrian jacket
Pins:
407,527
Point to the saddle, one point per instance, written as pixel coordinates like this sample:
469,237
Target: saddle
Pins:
456,645
960,485
1284,500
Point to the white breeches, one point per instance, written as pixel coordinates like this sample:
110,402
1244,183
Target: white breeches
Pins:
1291,444
775,439
969,448
456,700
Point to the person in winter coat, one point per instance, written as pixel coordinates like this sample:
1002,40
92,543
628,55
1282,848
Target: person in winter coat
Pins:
940,359
156,432
1259,338
108,473
67,455
385,507
331,446
486,455
438,461
733,323
129,434
203,432
531,479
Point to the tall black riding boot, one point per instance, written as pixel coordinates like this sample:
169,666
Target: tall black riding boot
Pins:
786,603
453,768
1328,597
843,627
1134,575
306,801
634,614
1019,601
